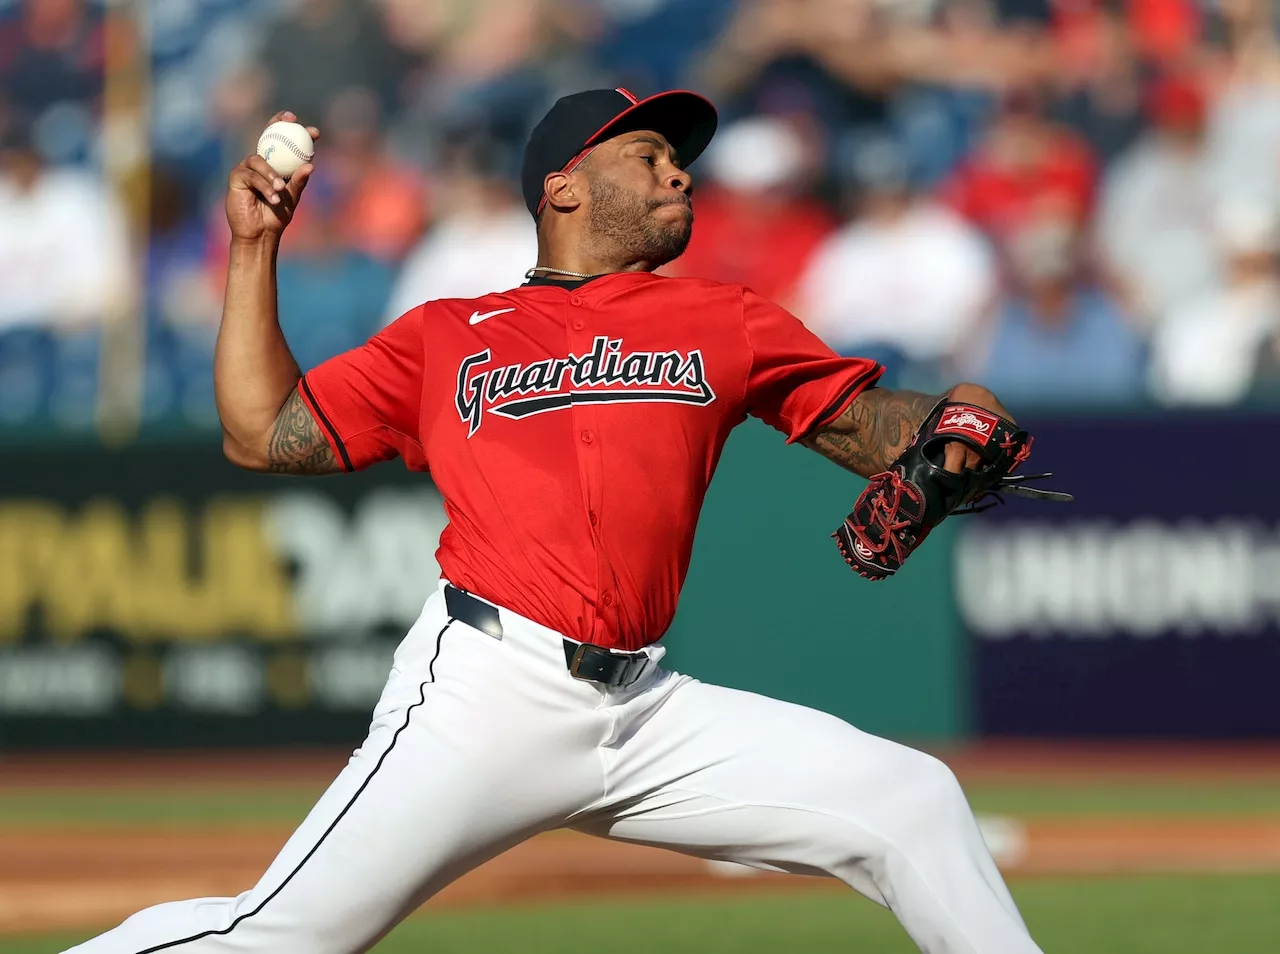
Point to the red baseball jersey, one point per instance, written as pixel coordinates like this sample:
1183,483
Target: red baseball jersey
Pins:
573,430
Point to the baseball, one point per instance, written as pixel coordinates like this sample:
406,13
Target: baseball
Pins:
286,147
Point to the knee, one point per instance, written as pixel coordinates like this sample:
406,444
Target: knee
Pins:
924,800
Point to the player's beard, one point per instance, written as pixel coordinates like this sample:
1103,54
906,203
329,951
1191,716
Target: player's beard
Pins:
626,220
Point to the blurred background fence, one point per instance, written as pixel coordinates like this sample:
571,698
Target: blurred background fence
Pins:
1075,202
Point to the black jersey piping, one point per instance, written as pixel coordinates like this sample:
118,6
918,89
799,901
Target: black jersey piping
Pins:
857,384
324,421
422,698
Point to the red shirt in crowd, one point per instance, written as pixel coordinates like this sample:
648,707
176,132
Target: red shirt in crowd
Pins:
573,430
1000,196
741,237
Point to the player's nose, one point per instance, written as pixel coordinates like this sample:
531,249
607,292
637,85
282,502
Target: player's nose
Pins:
681,181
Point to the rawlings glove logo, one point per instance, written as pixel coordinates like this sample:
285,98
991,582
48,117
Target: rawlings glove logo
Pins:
973,421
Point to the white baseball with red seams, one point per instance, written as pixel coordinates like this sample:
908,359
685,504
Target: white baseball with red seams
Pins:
286,146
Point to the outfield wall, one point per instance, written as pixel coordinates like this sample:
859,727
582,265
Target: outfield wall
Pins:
158,596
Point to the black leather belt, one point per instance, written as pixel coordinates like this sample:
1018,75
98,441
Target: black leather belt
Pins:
609,667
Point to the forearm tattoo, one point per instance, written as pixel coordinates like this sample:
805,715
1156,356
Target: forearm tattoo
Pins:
874,431
296,444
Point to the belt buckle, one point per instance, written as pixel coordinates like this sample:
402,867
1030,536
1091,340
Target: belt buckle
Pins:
576,662
634,664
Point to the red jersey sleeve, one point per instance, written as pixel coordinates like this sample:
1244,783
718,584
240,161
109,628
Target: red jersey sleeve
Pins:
367,400
797,383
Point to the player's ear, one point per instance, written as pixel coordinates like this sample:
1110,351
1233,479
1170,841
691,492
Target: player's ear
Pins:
562,191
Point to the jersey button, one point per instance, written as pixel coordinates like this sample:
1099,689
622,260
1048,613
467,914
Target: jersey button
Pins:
608,599
592,516
578,324
587,437
575,299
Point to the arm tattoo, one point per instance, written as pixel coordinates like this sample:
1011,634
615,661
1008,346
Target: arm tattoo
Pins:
874,431
296,444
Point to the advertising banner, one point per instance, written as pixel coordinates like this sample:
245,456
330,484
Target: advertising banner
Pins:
159,595
1150,606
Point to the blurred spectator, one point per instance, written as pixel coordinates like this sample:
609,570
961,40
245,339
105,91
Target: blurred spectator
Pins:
330,295
753,225
1098,89
1154,223
1160,32
382,202
496,63
1166,31
1206,351
1010,110
323,47
64,250
906,274
1025,167
52,55
489,39
1057,339
1244,124
181,290
484,239
822,58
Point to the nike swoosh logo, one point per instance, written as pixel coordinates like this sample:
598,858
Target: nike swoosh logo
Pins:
477,317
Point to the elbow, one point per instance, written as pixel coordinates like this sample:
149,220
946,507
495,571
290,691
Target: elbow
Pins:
241,456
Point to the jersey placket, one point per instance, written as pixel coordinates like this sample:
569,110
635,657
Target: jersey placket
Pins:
587,439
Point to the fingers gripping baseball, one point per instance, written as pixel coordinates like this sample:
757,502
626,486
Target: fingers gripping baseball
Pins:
260,202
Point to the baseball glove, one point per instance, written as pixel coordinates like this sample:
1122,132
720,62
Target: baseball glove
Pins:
900,506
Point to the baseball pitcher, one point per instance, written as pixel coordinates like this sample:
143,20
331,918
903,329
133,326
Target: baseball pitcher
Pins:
572,426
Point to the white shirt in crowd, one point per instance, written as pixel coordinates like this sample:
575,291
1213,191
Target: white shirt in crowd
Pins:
1244,138
1155,225
64,252
917,283
1206,351
466,256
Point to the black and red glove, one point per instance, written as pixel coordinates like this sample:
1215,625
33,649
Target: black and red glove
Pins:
900,506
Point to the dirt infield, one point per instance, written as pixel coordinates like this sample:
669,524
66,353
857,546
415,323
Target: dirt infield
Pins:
79,879
986,762
69,880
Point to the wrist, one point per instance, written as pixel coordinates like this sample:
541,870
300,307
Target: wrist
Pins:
265,245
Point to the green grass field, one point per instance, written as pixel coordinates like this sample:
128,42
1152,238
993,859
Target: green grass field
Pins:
1183,915
1125,915
276,805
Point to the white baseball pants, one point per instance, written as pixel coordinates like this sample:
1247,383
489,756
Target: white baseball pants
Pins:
478,743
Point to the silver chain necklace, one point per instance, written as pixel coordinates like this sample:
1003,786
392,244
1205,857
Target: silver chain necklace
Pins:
554,271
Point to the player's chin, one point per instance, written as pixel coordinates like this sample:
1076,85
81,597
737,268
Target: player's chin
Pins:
674,212
675,222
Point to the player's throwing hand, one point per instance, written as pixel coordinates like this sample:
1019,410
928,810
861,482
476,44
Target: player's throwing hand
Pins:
260,203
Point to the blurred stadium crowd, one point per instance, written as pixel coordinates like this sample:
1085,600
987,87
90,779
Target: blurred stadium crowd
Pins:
1076,202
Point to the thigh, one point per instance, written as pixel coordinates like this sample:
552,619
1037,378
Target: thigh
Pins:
738,776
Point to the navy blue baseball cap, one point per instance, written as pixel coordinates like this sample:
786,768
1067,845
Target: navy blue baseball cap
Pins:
578,123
